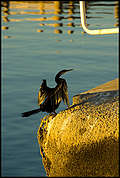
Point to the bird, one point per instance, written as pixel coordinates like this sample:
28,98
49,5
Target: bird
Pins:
49,99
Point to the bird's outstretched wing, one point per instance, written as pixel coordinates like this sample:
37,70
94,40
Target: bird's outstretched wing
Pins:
65,94
43,92
41,97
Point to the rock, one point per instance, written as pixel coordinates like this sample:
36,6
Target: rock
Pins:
83,140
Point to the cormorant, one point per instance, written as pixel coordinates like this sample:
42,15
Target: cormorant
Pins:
49,99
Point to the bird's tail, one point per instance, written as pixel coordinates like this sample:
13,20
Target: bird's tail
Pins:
28,113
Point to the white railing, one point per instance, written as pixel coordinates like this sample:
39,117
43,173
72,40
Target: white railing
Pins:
93,32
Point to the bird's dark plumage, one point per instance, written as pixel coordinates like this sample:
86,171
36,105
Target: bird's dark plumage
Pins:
50,98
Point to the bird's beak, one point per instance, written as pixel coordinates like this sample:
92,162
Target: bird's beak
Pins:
70,69
67,70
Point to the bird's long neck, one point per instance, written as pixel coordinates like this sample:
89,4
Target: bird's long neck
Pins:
57,77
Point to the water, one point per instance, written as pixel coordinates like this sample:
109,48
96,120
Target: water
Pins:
38,40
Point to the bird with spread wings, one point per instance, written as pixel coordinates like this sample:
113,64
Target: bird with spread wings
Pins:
49,99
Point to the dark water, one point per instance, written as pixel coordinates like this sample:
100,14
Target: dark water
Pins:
39,39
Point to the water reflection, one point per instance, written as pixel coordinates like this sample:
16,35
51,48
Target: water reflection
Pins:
57,15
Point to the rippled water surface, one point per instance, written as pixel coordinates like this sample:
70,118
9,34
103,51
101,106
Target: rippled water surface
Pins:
38,40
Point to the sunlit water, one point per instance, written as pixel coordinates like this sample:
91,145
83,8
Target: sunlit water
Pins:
38,40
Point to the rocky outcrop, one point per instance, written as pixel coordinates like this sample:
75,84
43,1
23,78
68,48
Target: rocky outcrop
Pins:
83,140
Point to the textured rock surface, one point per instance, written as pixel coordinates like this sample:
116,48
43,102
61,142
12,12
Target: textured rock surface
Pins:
83,140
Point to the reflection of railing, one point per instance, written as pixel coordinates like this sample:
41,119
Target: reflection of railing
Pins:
58,16
93,32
